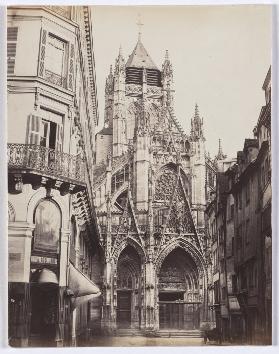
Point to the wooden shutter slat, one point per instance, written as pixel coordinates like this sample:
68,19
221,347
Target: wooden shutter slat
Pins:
34,129
11,49
59,137
12,33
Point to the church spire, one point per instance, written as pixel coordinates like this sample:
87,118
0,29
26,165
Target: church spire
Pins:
119,63
109,81
109,98
167,80
140,58
220,155
197,125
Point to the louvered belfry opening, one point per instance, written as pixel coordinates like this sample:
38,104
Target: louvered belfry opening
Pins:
135,76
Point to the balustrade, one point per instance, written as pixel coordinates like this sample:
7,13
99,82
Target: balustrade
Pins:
46,161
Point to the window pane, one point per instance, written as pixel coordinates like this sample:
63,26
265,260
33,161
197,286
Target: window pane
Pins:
55,55
47,227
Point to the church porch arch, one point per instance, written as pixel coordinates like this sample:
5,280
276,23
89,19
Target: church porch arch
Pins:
124,306
180,287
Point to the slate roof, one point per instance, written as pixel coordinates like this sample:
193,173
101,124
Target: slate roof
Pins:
140,58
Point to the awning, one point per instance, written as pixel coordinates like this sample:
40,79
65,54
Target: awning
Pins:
234,304
76,301
80,284
224,311
47,277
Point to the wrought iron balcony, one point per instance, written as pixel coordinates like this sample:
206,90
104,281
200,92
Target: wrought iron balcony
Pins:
39,165
55,79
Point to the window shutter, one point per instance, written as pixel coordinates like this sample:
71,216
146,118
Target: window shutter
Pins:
42,53
71,67
59,137
34,129
11,49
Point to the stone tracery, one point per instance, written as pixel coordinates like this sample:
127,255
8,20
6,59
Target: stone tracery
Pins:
148,194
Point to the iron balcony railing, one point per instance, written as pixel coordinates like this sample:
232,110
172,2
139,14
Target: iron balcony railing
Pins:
46,161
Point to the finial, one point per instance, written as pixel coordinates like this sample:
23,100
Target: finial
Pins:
110,70
220,155
120,50
196,110
167,55
139,24
220,148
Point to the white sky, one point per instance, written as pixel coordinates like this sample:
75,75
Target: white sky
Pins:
220,57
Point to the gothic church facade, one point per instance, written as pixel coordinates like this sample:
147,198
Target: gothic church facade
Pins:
150,195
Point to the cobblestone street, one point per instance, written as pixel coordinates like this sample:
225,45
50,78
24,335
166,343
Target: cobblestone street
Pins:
143,341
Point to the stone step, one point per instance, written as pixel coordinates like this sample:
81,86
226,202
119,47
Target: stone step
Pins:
164,333
129,332
180,333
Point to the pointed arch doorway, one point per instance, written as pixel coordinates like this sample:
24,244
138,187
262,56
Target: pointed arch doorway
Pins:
178,292
128,311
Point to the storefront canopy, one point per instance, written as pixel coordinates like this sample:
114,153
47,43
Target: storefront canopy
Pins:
234,305
77,301
80,284
46,276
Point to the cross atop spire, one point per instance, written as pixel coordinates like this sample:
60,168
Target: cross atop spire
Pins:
139,24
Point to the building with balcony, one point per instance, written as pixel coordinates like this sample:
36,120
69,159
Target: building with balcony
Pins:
52,114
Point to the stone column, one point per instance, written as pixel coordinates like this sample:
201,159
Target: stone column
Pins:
107,316
135,309
106,322
150,295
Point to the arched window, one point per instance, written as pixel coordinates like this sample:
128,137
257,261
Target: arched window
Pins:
47,226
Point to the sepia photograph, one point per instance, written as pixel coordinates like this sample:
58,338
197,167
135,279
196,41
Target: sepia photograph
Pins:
139,175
